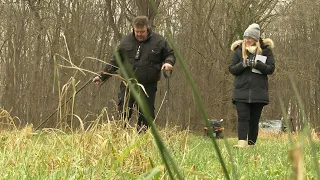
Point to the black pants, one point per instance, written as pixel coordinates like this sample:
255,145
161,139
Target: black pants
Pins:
248,121
126,102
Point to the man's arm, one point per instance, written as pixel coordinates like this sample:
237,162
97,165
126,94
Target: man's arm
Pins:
169,57
109,68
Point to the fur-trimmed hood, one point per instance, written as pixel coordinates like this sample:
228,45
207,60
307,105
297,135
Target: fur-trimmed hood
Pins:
267,43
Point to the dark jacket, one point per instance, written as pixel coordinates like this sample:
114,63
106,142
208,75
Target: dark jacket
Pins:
251,87
146,68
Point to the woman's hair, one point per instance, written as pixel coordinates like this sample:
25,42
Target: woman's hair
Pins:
244,50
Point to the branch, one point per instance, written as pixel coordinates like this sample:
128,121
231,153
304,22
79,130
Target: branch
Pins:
111,20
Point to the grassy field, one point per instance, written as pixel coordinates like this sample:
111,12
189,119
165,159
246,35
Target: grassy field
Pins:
109,152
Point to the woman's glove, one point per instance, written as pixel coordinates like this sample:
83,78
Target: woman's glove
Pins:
249,63
252,63
246,63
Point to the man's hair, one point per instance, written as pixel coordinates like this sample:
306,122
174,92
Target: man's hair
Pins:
140,21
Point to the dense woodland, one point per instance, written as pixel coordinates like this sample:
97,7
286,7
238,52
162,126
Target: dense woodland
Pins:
43,43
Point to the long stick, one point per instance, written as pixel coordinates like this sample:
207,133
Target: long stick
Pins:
167,76
63,104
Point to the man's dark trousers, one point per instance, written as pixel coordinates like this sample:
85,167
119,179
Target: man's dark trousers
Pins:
126,102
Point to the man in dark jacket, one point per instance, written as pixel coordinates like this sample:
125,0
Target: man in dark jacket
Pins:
144,54
252,62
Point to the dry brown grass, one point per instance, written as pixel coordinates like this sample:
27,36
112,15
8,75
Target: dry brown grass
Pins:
122,152
6,121
284,136
297,161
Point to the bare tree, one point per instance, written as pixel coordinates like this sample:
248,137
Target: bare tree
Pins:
40,41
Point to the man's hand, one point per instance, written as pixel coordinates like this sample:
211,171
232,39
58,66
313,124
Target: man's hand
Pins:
167,66
96,80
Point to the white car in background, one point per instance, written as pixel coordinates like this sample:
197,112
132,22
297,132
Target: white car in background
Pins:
273,126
